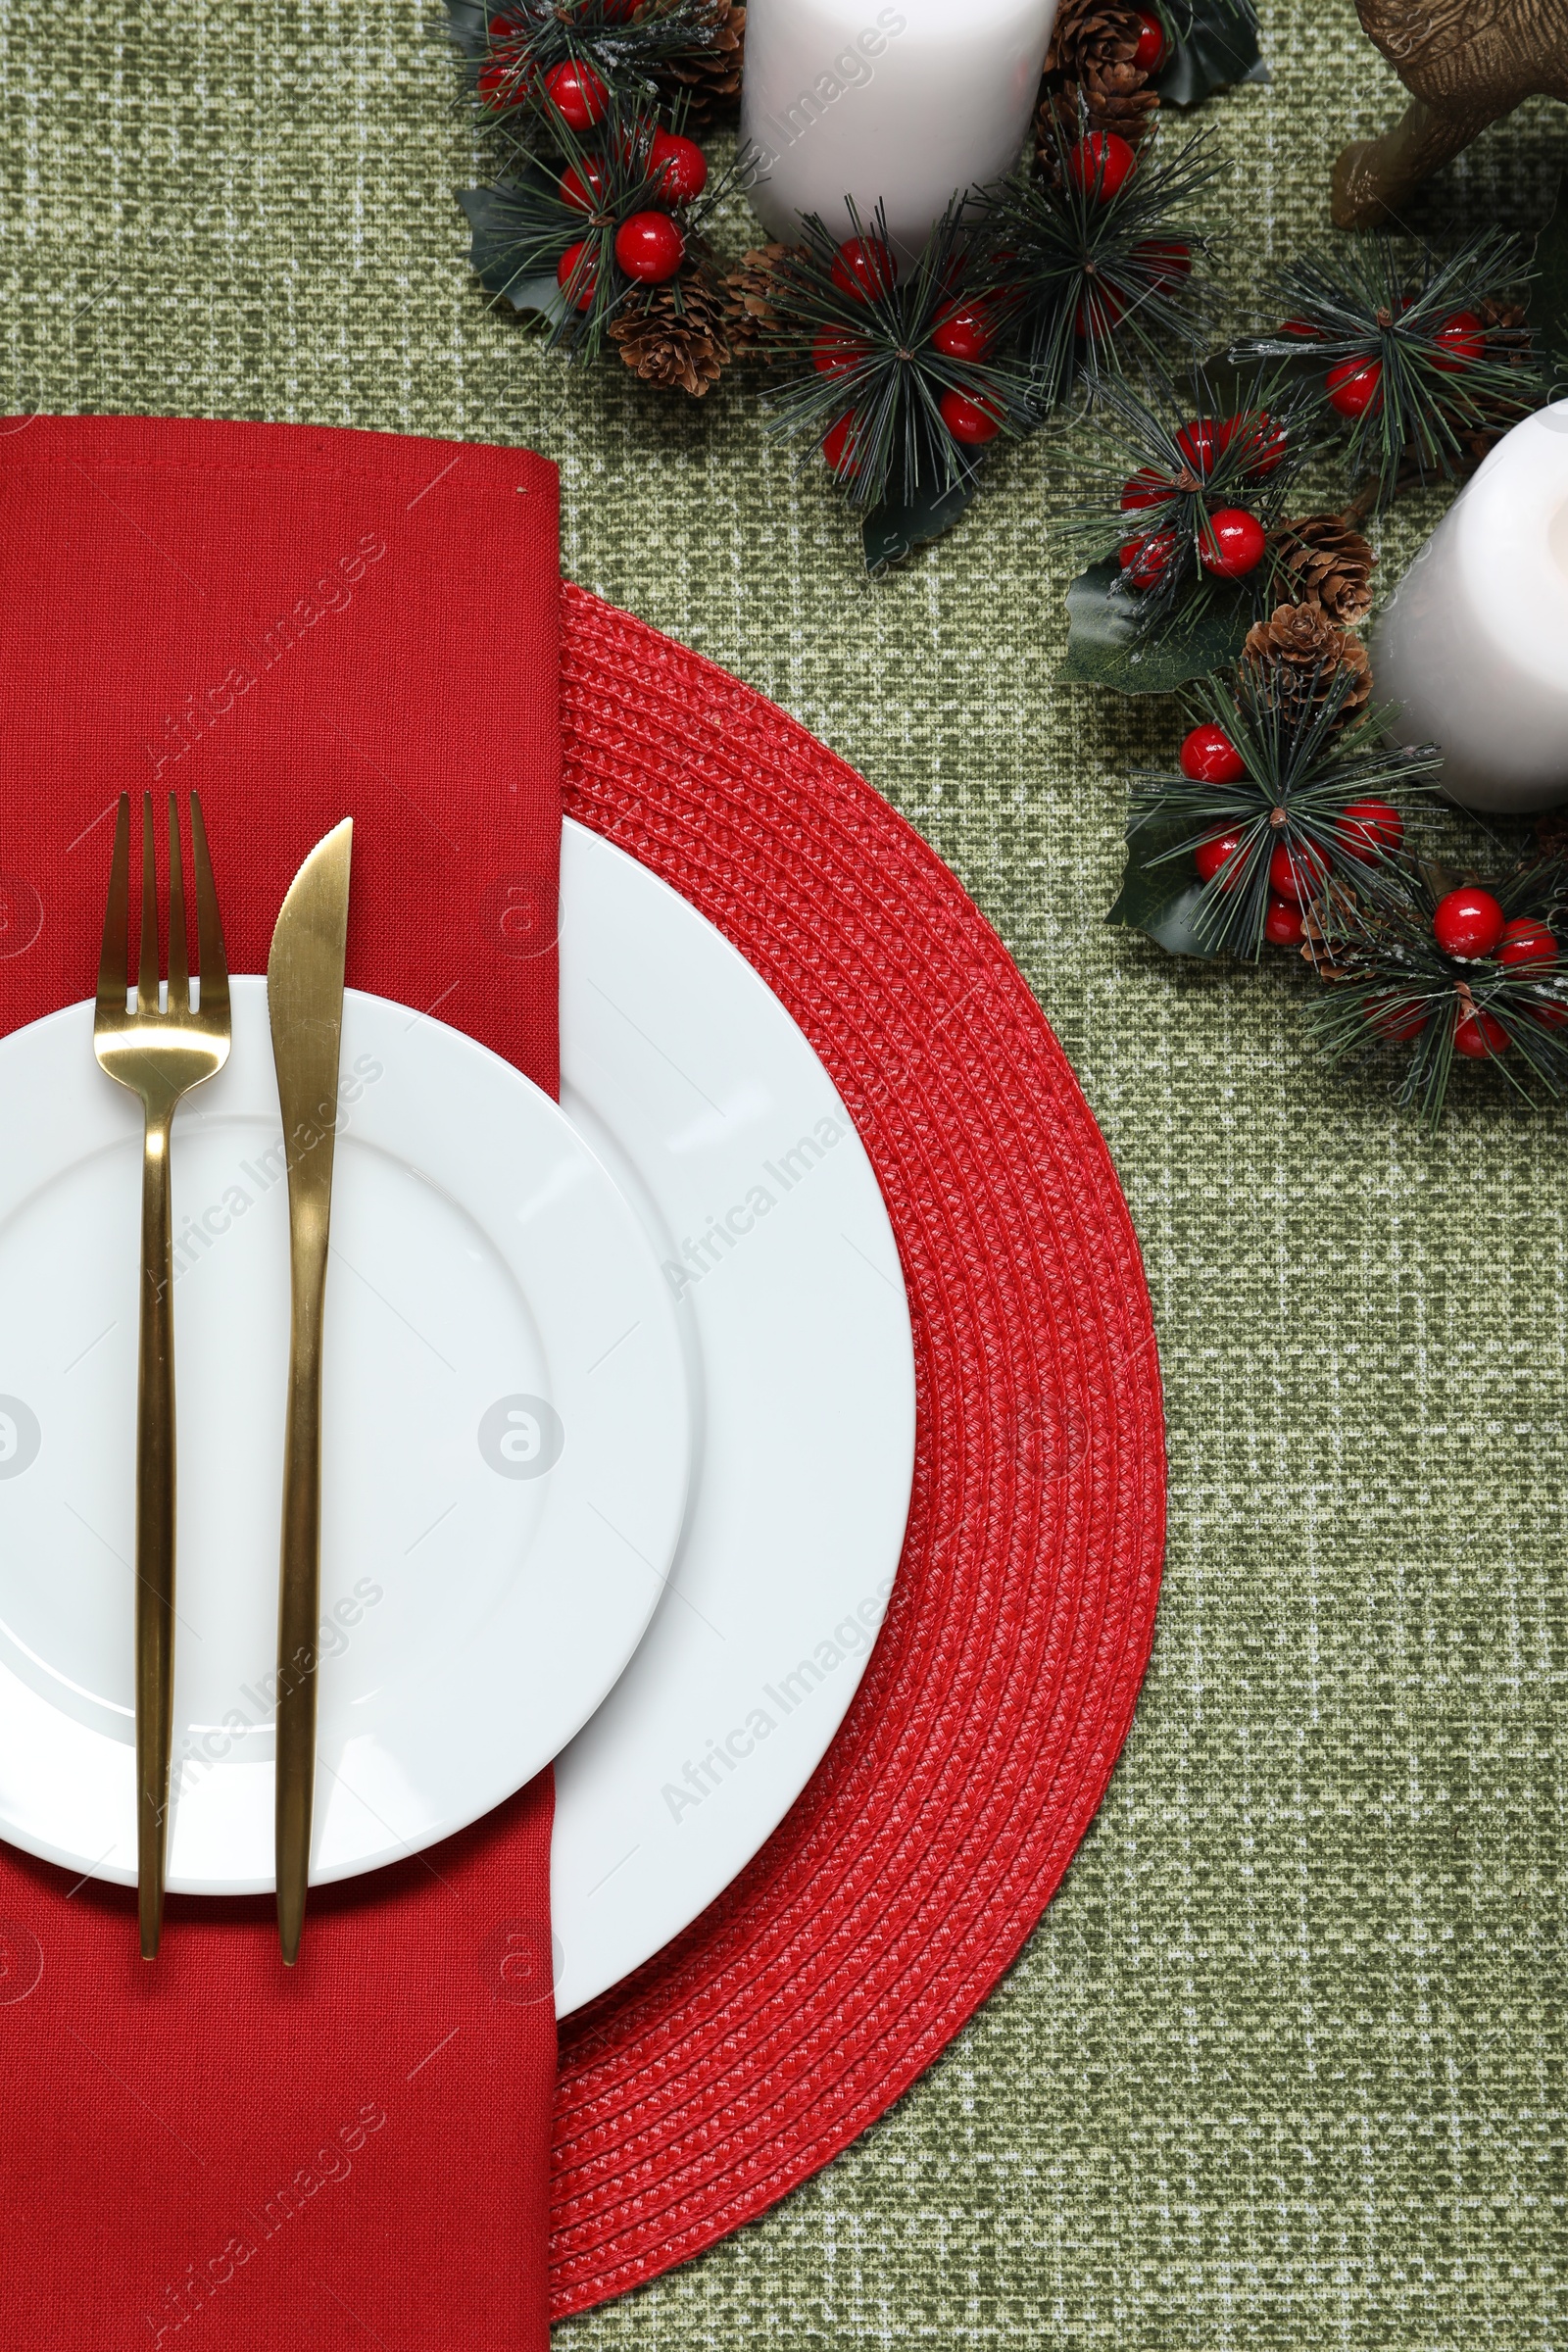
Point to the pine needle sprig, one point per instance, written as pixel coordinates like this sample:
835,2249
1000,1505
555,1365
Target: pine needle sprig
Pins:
1306,767
1175,460
1401,354
1102,278
1391,984
858,365
563,190
513,44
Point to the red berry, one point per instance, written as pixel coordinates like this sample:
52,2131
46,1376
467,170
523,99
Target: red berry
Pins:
841,457
971,421
501,28
1302,328
1145,560
1145,489
1478,1036
1217,850
1102,310
1368,827
1167,262
577,95
567,269
835,353
864,269
1462,340
501,85
1398,1022
1532,945
1232,543
1527,941
1100,163
1355,386
1264,445
650,247
1152,46
965,332
1281,925
583,184
1209,756
1467,924
968,329
1203,441
1297,873
678,164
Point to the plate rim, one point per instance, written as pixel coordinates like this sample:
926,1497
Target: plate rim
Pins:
587,844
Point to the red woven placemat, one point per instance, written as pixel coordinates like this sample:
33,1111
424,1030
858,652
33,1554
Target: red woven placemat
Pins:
788,2017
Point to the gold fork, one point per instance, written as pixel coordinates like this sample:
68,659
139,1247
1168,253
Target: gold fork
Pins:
159,1054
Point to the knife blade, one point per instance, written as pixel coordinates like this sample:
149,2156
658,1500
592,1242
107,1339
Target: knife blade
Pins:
305,1009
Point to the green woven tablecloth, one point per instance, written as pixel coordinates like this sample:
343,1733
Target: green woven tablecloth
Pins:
1284,2063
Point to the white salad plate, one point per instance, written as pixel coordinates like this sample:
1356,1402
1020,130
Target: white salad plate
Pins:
507,1445
698,1091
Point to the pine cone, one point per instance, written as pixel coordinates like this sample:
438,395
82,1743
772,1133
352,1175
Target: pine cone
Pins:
1330,564
749,291
1300,652
1552,833
709,76
676,333
1506,324
1090,68
1320,939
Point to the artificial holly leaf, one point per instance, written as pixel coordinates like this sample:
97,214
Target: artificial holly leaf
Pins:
1548,294
470,27
1110,642
899,524
1160,900
1223,386
541,294
1215,43
494,254
493,249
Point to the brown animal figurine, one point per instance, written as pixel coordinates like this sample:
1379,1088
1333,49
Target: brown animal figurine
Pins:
1464,63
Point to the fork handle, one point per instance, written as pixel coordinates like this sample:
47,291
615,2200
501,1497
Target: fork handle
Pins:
155,1530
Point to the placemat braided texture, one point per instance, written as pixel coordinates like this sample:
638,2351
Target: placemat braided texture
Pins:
1284,2063
903,1882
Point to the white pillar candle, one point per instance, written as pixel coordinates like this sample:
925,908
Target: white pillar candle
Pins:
1474,644
906,103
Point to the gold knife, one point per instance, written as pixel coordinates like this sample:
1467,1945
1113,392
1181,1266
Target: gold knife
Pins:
305,1006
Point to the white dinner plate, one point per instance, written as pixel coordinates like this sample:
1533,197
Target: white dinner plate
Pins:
695,1088
507,1445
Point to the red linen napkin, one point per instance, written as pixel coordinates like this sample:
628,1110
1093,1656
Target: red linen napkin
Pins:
211,2150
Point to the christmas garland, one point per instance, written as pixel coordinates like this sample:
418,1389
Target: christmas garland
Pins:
1079,283
1405,371
1086,264
1284,819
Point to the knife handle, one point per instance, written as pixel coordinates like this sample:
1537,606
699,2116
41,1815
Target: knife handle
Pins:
155,1531
300,1590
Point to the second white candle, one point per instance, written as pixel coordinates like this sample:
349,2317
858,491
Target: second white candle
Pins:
903,104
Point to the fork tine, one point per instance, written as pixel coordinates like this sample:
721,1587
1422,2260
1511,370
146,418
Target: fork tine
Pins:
112,963
178,937
147,960
209,925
